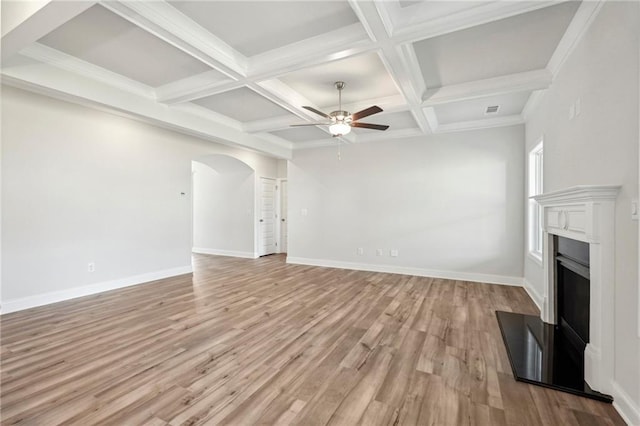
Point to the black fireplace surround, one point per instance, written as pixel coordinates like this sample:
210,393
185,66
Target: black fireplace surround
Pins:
553,355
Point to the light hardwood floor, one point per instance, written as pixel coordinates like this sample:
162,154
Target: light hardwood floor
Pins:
247,342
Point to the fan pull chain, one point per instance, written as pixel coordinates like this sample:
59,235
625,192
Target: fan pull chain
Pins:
339,153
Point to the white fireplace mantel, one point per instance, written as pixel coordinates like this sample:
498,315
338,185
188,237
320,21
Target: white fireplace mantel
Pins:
585,213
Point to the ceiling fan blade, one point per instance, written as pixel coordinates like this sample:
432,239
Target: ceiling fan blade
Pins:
370,126
365,112
312,109
309,124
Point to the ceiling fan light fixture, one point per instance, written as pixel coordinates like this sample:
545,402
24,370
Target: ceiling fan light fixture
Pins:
339,129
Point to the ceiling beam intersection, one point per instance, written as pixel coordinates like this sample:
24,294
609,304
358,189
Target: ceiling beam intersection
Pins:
401,63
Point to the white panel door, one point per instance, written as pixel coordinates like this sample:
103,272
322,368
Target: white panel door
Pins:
284,202
267,224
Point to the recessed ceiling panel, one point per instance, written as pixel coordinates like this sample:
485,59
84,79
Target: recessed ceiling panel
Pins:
365,78
242,104
102,38
512,45
511,104
253,27
302,134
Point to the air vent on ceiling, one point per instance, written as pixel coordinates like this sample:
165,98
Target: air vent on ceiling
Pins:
492,109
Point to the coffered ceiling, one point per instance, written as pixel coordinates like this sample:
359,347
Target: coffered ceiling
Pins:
239,72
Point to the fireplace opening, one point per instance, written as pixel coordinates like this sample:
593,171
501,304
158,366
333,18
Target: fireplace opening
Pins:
572,296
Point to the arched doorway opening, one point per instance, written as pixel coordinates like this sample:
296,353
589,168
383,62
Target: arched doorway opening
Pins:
224,206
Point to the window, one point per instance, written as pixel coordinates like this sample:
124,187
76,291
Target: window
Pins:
535,210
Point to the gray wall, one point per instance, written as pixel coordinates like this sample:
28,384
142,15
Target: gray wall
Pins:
450,204
600,146
80,185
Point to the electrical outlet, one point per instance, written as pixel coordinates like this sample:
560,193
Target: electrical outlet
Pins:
393,253
360,251
379,252
91,267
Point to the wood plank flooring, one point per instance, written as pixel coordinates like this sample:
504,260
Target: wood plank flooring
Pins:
246,342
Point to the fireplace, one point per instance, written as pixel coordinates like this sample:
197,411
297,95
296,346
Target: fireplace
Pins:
579,221
572,340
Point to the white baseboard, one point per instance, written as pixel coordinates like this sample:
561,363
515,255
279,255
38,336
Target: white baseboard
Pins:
87,290
392,269
625,406
533,293
232,253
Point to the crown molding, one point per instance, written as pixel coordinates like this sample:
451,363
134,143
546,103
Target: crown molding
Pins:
486,123
207,114
534,100
415,23
388,135
585,15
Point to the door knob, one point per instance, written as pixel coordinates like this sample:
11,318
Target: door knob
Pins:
282,219
261,220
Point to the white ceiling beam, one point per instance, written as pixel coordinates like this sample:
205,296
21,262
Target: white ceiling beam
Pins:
513,83
198,86
56,82
48,55
167,23
30,23
336,45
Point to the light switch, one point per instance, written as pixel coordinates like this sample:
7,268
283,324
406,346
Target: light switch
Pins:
634,209
304,212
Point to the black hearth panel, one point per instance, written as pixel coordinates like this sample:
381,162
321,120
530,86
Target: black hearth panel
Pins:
542,354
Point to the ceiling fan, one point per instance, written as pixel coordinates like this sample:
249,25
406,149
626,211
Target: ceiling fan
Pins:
340,122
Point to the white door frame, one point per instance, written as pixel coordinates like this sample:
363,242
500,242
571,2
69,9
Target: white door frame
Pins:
259,217
279,215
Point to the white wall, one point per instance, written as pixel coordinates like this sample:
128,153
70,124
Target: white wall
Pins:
80,185
450,204
600,146
223,210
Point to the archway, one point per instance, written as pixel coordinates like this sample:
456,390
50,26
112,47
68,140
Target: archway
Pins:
223,219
